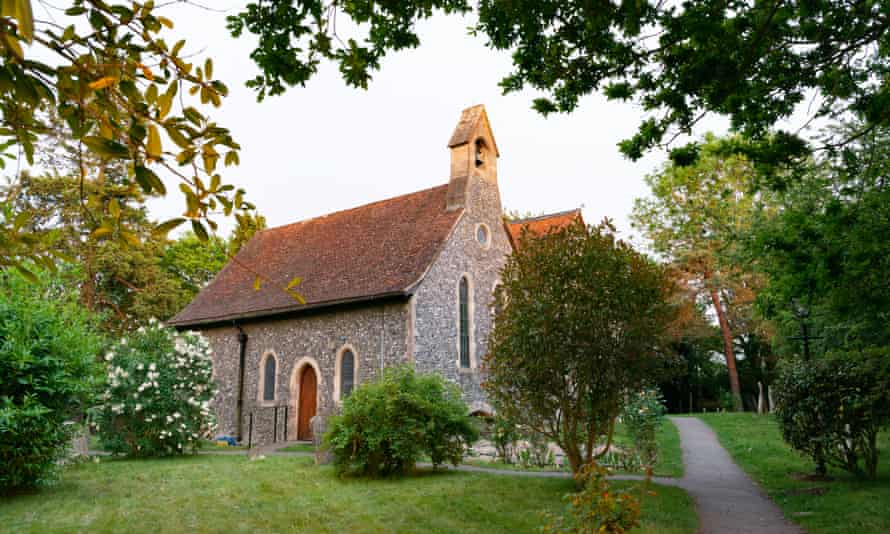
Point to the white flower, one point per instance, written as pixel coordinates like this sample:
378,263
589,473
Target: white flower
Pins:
151,367
109,356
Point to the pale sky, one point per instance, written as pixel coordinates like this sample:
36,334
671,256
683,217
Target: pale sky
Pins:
328,147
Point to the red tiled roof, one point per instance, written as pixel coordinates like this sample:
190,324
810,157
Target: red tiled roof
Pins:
377,250
541,225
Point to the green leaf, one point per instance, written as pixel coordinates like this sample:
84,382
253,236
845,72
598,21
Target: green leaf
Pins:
167,226
199,230
106,148
149,181
29,276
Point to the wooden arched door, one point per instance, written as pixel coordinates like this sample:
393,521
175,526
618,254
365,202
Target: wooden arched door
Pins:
308,398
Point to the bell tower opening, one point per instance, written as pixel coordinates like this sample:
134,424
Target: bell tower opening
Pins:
480,153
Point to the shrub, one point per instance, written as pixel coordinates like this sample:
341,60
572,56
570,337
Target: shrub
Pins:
596,508
157,395
48,348
832,408
643,414
386,425
504,435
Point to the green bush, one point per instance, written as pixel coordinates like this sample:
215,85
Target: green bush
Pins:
832,408
388,424
48,348
642,416
157,395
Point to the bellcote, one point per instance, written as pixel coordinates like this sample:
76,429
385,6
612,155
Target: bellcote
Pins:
474,153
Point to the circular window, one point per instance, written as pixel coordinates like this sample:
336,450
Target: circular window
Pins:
482,235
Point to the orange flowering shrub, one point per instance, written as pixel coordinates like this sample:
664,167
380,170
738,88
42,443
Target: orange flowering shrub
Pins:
596,508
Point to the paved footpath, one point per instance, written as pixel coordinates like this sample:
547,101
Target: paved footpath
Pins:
727,500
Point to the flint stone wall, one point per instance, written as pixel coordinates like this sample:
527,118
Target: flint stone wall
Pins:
377,334
436,336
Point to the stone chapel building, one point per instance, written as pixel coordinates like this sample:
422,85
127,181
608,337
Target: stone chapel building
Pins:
408,279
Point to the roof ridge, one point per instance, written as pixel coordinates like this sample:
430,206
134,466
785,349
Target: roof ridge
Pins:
545,216
346,210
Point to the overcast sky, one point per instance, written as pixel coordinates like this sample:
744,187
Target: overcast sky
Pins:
328,147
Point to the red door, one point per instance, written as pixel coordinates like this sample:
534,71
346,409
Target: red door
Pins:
308,386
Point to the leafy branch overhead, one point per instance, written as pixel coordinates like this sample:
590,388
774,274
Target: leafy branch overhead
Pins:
126,96
754,62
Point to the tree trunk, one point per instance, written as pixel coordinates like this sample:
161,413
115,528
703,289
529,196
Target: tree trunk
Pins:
728,351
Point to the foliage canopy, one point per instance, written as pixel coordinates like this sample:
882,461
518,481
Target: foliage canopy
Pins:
124,95
582,321
754,62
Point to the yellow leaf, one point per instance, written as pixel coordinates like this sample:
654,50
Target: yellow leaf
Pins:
102,83
295,282
12,44
129,238
102,231
114,208
166,22
153,146
147,72
256,283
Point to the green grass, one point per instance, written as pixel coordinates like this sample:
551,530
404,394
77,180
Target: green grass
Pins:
299,447
211,493
849,505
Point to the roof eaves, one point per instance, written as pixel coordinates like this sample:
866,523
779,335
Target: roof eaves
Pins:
282,310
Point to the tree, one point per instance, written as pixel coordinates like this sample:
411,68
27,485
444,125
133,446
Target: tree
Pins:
824,254
123,95
754,62
693,217
195,262
582,322
123,279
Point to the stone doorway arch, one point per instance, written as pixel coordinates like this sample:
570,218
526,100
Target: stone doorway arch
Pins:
305,385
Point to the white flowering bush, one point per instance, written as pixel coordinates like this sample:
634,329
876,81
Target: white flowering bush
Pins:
157,395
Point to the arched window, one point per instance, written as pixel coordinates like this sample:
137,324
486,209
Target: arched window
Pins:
347,373
269,378
464,312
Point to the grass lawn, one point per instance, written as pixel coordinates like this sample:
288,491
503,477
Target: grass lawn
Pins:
209,493
299,447
848,505
670,456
